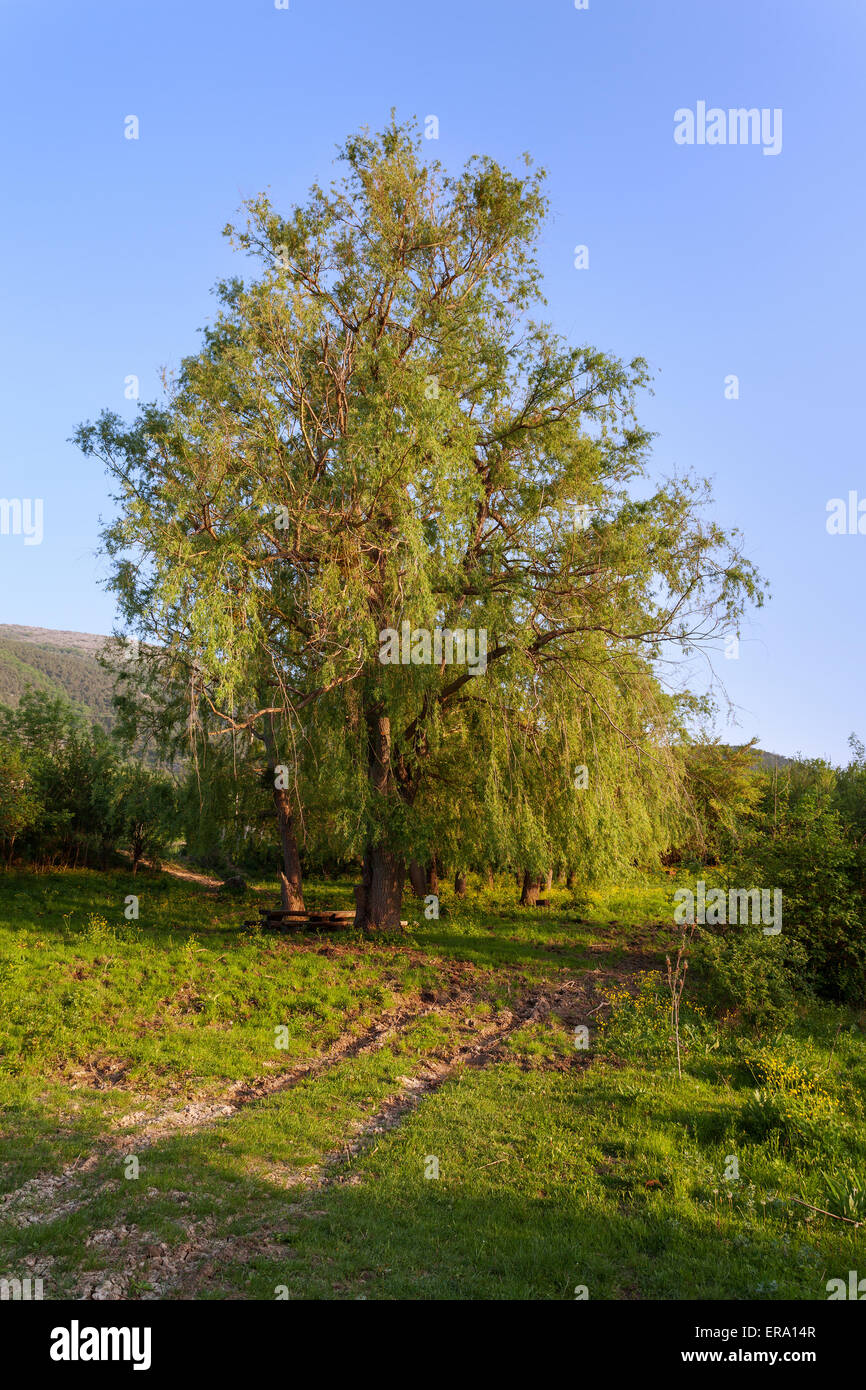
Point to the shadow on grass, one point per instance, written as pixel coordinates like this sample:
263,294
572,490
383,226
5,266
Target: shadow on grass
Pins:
584,1188
403,1238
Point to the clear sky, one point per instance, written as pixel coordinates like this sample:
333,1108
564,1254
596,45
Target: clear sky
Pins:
709,260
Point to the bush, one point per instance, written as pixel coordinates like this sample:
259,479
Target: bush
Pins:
640,1027
790,1102
806,841
66,794
234,887
747,976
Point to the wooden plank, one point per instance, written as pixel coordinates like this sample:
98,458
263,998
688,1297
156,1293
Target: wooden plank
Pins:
276,919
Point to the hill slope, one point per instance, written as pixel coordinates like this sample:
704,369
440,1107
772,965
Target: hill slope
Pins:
56,663
65,663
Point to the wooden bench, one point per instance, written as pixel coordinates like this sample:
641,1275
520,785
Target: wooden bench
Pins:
288,919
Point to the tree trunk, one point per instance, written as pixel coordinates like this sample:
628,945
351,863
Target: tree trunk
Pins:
418,878
460,884
379,897
491,878
291,883
569,881
529,894
549,884
433,876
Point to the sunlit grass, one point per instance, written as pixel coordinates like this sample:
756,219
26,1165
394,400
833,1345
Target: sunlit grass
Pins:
558,1168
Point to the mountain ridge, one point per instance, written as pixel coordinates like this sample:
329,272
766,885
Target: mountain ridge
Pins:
59,663
62,662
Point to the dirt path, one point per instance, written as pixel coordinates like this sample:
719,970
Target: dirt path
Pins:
182,1268
43,1198
189,875
179,1270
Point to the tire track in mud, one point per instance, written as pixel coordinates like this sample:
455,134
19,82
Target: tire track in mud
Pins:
47,1197
178,1271
36,1200
41,1198
482,1051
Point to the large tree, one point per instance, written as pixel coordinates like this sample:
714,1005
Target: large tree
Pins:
377,430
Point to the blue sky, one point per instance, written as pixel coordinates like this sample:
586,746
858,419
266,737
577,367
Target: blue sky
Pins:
707,260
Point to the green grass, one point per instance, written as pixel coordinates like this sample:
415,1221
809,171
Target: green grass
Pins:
558,1168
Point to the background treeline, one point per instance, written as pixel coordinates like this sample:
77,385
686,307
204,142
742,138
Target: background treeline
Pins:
70,794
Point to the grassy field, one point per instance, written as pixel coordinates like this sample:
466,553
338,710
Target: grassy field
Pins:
191,1109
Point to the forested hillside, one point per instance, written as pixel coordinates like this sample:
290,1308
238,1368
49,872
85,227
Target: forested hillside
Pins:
56,663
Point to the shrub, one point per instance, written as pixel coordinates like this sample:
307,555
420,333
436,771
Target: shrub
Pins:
639,1025
790,1103
748,976
807,844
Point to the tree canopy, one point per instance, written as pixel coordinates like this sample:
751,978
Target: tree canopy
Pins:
379,429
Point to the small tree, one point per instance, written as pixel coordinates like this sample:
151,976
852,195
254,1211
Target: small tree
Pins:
72,768
19,803
146,810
